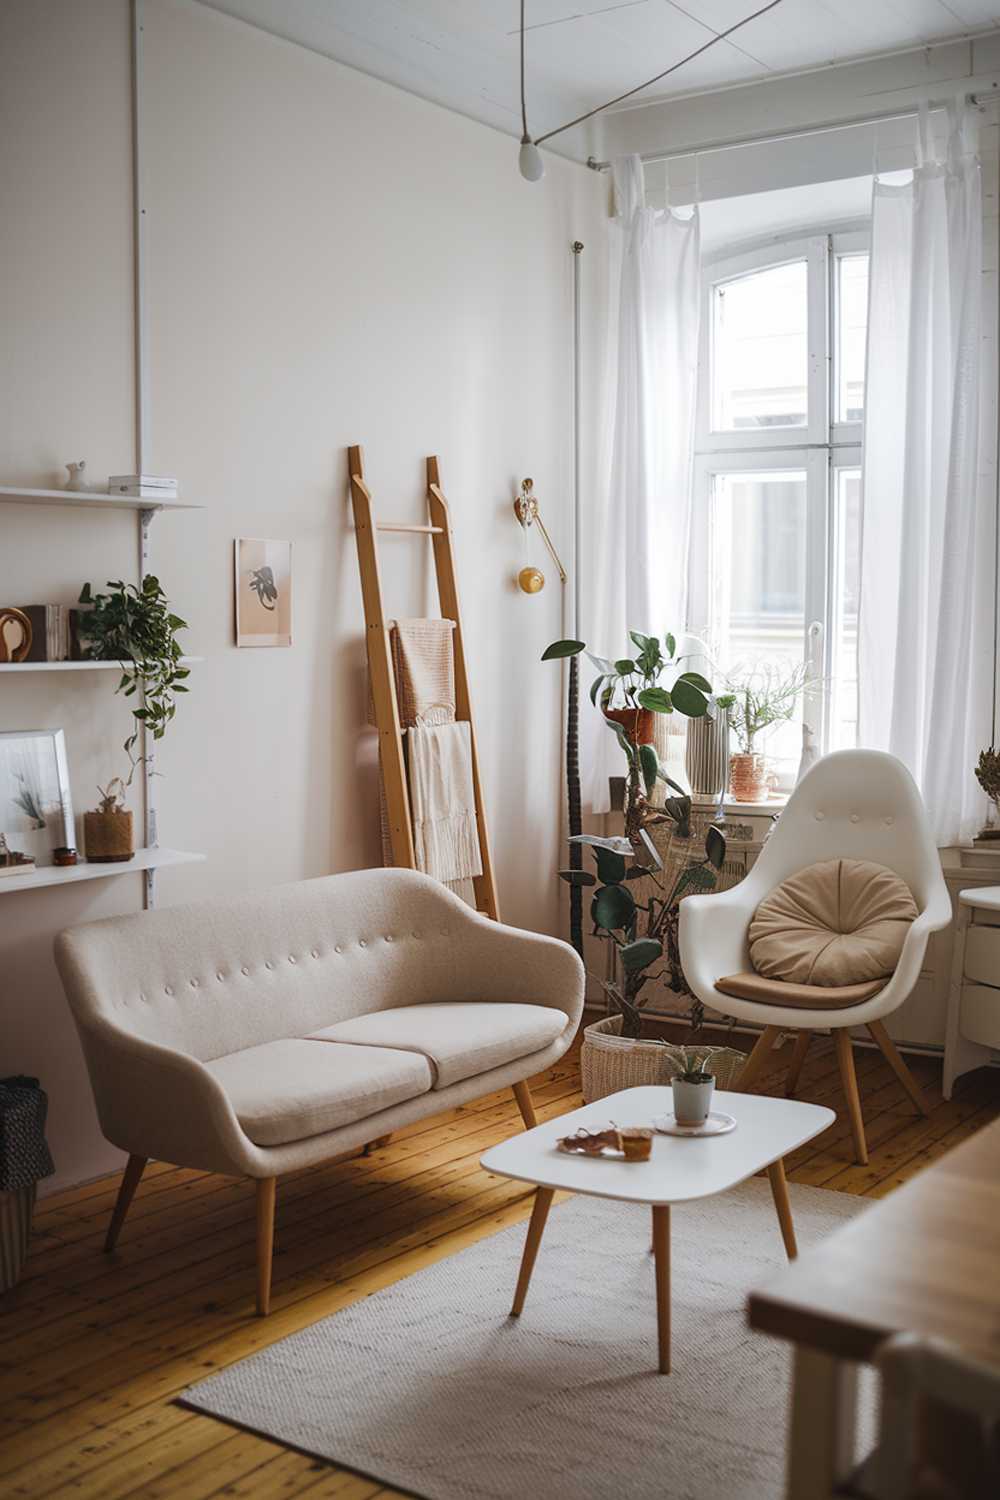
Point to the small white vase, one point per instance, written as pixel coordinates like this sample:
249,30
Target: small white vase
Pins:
692,1101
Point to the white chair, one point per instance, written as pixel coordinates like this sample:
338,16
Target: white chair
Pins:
853,804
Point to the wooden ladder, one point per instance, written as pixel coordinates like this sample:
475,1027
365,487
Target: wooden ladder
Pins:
390,734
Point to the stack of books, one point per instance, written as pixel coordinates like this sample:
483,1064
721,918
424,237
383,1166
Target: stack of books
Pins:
144,486
12,863
52,632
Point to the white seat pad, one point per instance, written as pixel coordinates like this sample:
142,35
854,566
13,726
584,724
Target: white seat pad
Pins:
289,1090
460,1038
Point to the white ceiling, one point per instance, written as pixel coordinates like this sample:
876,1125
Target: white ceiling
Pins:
464,53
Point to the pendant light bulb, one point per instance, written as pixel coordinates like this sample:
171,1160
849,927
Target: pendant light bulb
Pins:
530,160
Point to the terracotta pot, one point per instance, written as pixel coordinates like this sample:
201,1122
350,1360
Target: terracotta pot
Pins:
637,723
107,837
748,778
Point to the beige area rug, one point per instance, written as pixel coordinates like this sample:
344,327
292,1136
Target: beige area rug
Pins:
430,1387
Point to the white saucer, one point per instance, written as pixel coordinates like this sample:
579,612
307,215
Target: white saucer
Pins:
716,1124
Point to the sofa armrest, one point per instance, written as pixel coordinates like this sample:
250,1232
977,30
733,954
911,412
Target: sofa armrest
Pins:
154,1101
508,963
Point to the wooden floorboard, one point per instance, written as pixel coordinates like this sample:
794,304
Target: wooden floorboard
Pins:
95,1348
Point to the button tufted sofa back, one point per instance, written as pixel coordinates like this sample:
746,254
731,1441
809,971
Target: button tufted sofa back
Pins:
217,977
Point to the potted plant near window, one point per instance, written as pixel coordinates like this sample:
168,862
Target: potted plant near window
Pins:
135,627
766,696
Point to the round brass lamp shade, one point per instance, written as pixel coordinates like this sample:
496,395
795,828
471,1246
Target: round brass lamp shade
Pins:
531,580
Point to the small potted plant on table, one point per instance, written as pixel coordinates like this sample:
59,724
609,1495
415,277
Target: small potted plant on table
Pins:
693,1085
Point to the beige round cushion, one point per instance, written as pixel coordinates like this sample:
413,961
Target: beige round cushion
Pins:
840,922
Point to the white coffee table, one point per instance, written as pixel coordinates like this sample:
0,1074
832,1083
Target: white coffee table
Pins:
680,1170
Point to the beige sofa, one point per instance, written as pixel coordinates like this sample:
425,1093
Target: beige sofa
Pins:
260,1035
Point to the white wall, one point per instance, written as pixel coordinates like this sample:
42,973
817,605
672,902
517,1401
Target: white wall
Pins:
330,261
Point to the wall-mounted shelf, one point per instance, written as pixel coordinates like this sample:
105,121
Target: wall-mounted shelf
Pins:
76,666
16,495
143,859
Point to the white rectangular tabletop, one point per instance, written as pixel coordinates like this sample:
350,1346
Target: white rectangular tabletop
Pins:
681,1168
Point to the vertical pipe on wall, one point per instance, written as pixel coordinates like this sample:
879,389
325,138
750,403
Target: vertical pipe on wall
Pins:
573,702
141,387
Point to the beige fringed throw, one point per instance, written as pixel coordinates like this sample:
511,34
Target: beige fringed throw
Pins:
443,802
423,663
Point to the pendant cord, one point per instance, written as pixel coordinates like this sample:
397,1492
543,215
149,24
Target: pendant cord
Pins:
719,37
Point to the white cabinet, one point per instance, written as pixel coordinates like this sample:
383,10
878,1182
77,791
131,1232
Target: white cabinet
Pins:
973,1015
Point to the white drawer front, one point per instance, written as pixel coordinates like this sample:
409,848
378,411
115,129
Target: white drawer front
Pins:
982,954
980,1015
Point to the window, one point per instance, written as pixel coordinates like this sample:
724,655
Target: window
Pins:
775,545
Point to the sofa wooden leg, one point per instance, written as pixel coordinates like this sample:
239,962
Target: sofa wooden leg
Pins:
265,1242
754,1064
848,1077
888,1049
798,1058
134,1168
522,1094
383,1140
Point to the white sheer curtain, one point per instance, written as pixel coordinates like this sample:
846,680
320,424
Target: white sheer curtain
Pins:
639,538
926,596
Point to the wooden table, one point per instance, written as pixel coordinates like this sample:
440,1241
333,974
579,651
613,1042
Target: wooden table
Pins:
680,1170
924,1260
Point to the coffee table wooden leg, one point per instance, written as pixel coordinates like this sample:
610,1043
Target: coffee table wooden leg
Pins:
661,1250
540,1212
779,1192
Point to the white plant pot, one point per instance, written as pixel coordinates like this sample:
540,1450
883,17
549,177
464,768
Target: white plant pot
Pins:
692,1101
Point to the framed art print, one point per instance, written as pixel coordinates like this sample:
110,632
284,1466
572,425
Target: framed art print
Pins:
36,809
263,592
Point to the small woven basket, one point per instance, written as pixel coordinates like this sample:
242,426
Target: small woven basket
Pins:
610,1062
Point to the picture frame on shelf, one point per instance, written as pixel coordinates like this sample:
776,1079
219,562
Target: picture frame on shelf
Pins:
36,805
263,583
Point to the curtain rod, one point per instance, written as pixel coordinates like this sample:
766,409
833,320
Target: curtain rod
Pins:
795,133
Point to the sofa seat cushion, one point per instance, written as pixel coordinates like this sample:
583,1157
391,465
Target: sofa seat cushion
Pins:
798,996
289,1090
459,1038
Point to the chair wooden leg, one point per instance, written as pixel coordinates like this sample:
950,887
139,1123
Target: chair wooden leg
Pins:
887,1047
798,1058
754,1064
134,1168
848,1077
779,1192
522,1094
540,1212
265,1242
661,1250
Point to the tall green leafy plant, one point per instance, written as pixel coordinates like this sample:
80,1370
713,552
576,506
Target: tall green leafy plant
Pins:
135,627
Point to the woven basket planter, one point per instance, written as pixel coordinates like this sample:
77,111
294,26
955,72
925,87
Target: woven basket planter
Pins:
610,1062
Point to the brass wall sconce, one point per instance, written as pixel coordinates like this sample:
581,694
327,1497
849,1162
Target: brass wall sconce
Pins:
531,580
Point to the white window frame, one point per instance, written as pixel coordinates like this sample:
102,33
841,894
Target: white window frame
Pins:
817,449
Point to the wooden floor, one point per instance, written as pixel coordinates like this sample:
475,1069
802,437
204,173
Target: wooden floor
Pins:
94,1348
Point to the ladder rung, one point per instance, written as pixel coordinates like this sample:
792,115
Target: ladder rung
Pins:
404,526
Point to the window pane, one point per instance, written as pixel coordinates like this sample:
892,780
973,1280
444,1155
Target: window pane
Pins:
758,584
852,323
847,561
760,360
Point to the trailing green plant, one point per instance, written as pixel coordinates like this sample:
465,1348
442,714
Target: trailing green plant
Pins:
765,696
135,627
